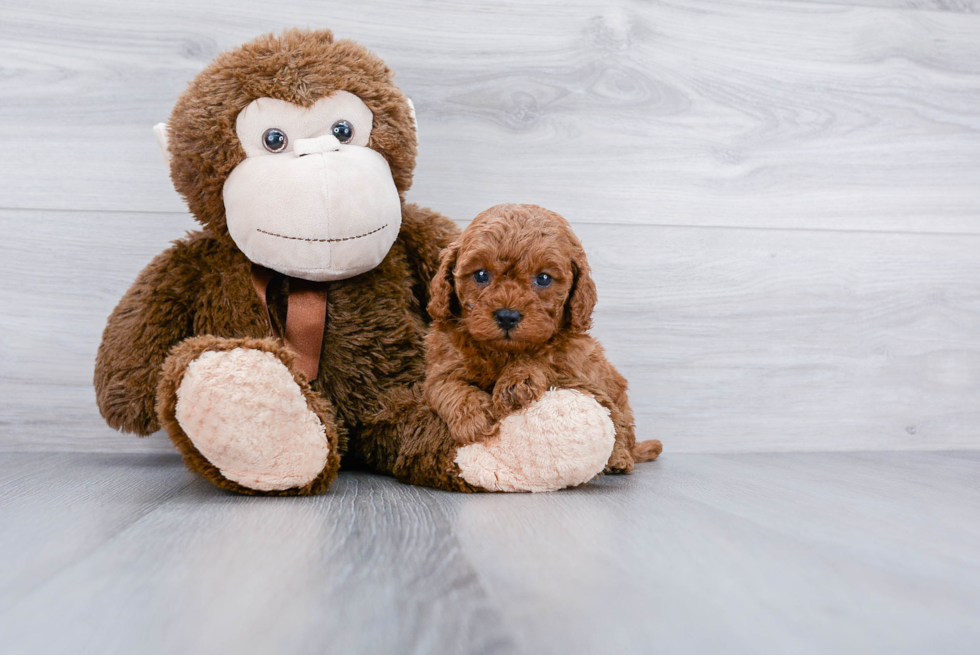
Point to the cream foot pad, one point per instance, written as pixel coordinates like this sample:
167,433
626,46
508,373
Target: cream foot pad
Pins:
246,414
562,440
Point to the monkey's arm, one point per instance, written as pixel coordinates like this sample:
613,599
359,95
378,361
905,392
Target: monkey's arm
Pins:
153,316
425,233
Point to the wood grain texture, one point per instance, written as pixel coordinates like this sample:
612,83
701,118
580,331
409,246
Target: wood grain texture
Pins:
768,553
110,493
955,6
757,113
732,340
780,198
367,568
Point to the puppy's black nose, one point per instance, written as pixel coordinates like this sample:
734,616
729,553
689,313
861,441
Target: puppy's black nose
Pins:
507,318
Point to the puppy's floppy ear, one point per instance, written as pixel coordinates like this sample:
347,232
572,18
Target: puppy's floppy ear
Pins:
443,302
582,296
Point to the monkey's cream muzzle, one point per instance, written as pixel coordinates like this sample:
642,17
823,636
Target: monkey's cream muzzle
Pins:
311,207
327,215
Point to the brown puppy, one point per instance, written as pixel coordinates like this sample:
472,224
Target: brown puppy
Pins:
512,305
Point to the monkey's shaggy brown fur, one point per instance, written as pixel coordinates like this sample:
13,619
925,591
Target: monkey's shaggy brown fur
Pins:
198,295
478,372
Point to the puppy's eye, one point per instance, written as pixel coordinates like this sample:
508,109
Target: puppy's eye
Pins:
482,276
543,280
274,140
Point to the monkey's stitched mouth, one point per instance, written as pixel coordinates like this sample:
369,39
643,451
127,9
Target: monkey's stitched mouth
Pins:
283,236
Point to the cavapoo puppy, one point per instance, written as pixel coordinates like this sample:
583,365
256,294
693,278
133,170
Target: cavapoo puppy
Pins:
511,307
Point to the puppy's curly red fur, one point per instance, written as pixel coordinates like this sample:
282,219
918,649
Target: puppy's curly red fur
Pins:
481,366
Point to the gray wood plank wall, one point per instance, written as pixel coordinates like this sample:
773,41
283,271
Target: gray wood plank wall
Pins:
781,199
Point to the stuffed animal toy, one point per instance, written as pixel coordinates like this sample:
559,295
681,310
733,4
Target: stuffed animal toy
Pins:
287,333
510,365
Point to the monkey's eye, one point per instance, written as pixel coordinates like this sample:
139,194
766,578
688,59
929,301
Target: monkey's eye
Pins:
343,130
274,140
482,276
543,280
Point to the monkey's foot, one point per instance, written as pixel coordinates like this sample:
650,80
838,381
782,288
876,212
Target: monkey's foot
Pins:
257,426
562,440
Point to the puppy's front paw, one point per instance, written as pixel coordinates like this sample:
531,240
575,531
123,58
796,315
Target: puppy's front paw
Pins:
472,429
511,394
621,461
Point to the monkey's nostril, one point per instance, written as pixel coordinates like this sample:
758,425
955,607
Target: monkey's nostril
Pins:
507,318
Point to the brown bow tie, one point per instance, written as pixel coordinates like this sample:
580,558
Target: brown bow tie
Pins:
306,317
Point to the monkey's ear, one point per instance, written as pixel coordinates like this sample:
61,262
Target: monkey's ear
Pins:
162,132
443,302
415,122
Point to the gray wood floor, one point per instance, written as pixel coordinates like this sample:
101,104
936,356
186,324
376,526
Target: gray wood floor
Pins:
697,553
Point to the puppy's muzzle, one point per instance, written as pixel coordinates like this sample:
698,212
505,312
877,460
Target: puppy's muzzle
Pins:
507,318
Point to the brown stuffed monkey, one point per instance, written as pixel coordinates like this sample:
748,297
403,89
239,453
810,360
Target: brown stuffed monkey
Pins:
288,332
